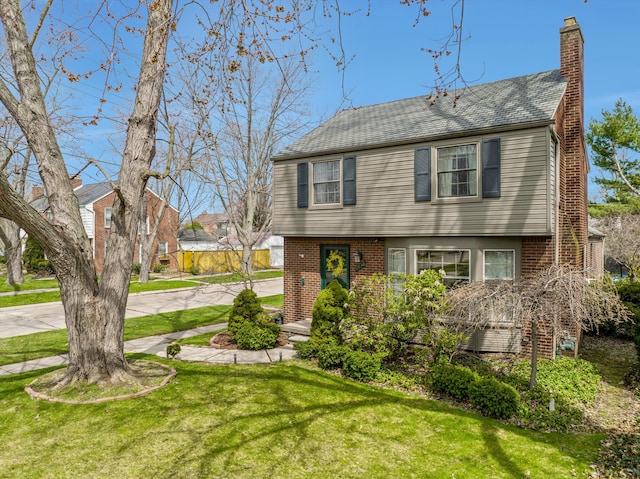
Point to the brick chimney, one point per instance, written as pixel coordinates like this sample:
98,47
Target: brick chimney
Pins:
76,181
576,167
36,192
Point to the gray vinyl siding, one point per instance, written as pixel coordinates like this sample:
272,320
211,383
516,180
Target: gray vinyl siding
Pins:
385,196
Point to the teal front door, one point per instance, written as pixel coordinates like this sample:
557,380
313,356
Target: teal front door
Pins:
326,276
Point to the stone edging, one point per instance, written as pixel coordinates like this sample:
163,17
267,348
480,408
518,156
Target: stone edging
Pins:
165,381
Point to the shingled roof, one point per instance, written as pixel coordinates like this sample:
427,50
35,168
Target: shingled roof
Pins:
86,195
528,99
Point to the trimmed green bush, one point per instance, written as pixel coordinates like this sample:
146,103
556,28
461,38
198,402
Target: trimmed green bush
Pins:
305,349
257,336
136,268
158,268
331,356
494,398
453,380
246,309
328,310
194,270
361,366
34,259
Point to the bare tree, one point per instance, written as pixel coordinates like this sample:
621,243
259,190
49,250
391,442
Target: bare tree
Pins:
557,300
15,165
261,107
235,30
623,240
94,312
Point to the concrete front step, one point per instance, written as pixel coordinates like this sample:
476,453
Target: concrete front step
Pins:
297,338
302,327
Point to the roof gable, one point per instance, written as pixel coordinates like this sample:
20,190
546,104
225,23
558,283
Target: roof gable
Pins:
521,100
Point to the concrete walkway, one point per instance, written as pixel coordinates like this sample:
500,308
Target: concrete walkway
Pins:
158,344
35,318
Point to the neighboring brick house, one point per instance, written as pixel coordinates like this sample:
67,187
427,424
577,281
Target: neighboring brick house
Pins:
214,224
96,201
493,187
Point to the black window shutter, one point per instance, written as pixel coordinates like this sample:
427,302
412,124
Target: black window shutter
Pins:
303,185
422,171
349,180
491,168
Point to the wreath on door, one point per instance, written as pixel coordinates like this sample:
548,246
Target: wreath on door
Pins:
335,263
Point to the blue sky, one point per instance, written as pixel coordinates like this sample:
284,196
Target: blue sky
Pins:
504,38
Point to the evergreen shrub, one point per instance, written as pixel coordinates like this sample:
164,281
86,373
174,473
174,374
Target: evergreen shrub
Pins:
454,380
328,310
257,336
361,366
331,356
494,398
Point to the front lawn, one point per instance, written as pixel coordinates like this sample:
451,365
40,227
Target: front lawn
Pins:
30,282
52,343
135,287
279,420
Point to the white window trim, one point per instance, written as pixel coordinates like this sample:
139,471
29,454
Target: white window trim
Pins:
110,209
415,259
484,264
166,244
312,200
434,165
404,250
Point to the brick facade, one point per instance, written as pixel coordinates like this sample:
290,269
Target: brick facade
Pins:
302,269
167,231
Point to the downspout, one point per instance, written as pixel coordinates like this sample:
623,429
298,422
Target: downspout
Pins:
557,206
556,258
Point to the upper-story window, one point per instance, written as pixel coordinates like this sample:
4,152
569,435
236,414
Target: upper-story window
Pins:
107,217
329,183
326,182
458,171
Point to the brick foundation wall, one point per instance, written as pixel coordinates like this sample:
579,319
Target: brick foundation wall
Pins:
302,269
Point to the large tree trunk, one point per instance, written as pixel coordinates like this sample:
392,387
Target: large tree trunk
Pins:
94,313
10,236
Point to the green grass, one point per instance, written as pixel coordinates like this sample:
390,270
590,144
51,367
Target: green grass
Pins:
236,277
135,287
279,420
29,298
277,300
30,282
199,340
52,343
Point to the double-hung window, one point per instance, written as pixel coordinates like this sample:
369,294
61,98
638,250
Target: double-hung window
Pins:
499,264
163,248
457,171
454,264
326,182
107,217
397,268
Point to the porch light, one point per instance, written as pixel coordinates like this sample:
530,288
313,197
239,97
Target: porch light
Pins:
357,257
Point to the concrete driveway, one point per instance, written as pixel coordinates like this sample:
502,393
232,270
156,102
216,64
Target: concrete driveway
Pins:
35,318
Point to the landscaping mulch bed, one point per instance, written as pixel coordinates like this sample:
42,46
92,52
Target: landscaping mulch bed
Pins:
223,340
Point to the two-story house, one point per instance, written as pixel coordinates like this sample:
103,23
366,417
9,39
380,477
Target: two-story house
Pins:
492,187
96,202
